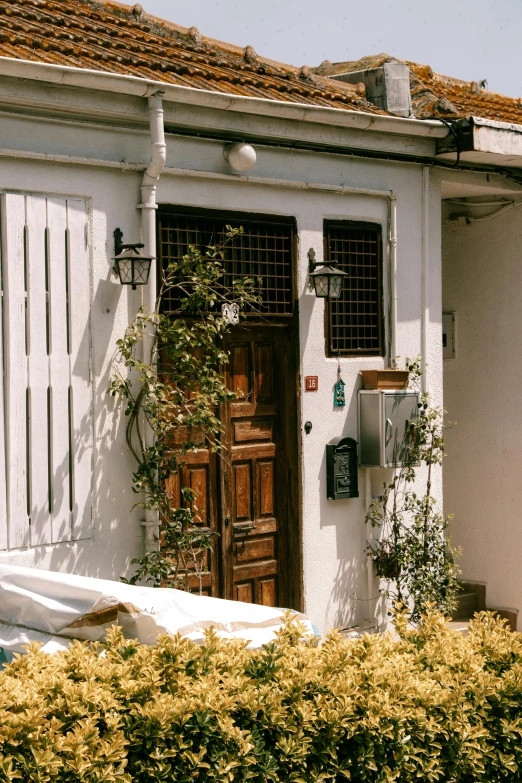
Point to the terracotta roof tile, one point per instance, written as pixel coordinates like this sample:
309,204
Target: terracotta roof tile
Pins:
115,38
435,95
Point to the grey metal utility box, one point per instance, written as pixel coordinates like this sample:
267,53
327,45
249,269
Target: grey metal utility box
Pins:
383,420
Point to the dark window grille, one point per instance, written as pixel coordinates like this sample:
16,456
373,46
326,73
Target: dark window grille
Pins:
263,251
355,322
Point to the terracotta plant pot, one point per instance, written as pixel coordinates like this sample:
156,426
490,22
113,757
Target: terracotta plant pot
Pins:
385,379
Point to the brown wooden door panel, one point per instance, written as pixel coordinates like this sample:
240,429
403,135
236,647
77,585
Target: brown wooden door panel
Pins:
261,450
252,409
255,455
244,592
264,373
255,548
254,571
267,592
264,526
243,491
266,492
197,479
252,430
199,474
263,592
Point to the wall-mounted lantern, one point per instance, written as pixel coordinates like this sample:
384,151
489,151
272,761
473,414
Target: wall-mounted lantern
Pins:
326,280
131,266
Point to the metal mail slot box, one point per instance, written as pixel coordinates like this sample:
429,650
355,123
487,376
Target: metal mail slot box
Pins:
383,420
341,469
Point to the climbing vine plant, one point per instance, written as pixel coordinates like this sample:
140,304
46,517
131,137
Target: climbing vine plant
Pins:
169,376
413,555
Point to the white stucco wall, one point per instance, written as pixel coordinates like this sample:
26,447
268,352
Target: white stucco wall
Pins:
482,282
335,580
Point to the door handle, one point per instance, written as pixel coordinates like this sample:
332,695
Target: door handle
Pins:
243,527
387,436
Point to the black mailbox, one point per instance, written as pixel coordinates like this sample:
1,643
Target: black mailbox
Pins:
341,469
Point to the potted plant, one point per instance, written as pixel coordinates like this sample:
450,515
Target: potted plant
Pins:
413,555
386,559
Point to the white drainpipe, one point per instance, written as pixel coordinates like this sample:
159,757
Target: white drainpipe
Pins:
148,206
425,273
392,227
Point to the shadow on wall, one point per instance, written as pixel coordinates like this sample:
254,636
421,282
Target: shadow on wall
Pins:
347,595
346,428
347,603
306,307
355,603
115,533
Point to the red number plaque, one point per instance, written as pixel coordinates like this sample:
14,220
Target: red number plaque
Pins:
311,383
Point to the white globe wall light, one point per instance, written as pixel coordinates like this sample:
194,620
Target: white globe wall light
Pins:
241,157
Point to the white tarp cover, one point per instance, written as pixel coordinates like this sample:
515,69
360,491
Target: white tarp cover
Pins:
54,608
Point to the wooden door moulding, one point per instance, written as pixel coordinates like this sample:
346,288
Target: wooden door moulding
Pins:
262,439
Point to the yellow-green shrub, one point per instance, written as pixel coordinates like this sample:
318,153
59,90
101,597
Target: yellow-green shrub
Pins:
435,705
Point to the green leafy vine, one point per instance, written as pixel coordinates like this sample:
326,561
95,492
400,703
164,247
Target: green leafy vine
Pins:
169,376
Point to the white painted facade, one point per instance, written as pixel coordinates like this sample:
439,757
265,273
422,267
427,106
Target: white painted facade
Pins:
482,284
100,145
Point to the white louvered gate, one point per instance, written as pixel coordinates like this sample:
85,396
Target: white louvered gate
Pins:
46,428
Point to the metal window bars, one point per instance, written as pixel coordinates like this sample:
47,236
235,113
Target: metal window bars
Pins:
355,321
263,252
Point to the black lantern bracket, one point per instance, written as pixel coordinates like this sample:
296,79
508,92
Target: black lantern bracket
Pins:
312,266
324,278
120,246
131,266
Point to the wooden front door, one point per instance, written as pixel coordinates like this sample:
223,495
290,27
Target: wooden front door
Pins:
257,467
248,493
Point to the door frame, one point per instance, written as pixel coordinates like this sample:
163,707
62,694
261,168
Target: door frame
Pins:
294,532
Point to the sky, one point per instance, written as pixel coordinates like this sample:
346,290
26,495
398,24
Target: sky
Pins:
467,39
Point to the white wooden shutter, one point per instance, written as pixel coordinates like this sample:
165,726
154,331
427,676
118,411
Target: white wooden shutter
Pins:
15,370
46,402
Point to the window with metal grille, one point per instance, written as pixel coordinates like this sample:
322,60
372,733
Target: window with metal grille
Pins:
355,322
264,251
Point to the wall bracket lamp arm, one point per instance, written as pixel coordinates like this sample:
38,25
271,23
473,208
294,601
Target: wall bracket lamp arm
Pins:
324,278
130,265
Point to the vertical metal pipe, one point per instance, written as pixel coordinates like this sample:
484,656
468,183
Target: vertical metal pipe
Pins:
148,208
369,561
425,317
392,200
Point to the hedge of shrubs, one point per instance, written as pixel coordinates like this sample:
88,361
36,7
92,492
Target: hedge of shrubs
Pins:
432,706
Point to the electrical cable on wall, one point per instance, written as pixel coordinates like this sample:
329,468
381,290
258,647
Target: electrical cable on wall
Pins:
450,125
504,208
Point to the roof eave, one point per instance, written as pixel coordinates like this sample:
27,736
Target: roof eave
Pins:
487,142
133,85
505,126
